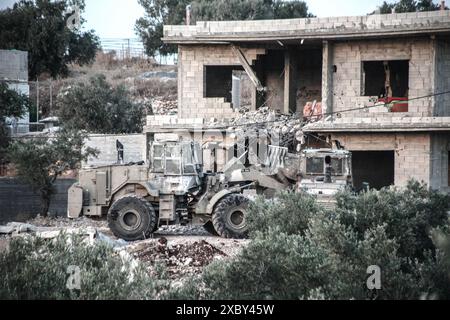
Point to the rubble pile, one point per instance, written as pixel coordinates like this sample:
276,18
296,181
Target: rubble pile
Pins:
179,259
190,230
164,107
287,128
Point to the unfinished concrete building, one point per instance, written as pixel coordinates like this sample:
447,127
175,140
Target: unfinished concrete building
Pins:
383,82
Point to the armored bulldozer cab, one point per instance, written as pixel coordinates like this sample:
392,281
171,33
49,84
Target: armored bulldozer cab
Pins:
173,169
175,159
325,172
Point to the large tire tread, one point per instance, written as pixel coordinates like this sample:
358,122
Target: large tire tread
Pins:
220,212
148,216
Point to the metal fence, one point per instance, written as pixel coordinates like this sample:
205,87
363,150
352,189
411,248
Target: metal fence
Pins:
127,48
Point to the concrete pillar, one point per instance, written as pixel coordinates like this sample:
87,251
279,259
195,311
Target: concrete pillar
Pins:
180,77
258,98
435,84
254,99
327,77
236,93
290,94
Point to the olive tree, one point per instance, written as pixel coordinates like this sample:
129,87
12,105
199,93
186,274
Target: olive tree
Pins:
12,104
99,107
40,161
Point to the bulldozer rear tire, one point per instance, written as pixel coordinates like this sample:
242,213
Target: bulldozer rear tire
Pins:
132,218
229,216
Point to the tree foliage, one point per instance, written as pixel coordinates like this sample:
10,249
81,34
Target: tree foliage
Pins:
325,255
12,104
97,107
40,27
34,269
40,161
290,213
409,6
170,12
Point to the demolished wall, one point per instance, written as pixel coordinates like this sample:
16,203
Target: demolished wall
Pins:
192,102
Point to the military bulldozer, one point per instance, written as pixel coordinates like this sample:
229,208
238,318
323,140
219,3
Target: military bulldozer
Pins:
171,189
174,187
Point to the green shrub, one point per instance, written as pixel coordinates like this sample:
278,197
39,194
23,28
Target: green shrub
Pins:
276,266
349,256
409,215
35,268
98,107
300,251
289,212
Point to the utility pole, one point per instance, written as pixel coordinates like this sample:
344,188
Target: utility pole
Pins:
129,52
37,101
51,97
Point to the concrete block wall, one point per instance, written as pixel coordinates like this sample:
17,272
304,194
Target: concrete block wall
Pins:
313,26
347,83
412,152
19,203
412,158
14,65
134,148
193,59
442,78
440,171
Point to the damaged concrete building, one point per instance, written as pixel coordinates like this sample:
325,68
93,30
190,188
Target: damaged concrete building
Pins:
382,81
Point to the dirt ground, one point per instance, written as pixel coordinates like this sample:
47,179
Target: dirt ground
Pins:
183,250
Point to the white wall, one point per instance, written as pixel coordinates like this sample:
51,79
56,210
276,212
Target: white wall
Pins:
134,148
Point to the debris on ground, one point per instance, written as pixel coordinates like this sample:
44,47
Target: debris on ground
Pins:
63,222
180,260
183,230
17,228
183,250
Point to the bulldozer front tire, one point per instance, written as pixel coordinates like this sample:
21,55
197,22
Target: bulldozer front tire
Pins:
209,227
229,216
132,218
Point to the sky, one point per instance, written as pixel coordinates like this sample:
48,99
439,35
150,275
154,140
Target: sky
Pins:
116,18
